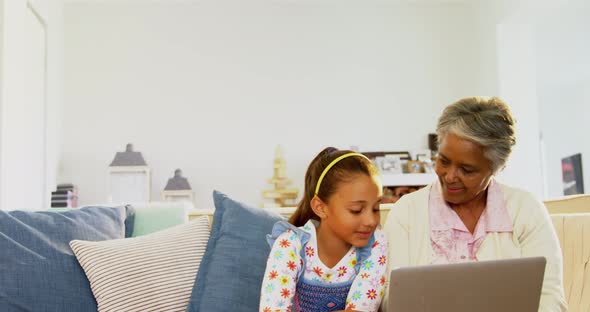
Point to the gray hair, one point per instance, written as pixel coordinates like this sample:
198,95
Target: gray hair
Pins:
484,121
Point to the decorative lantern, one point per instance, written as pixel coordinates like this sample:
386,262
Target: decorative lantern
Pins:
129,178
178,188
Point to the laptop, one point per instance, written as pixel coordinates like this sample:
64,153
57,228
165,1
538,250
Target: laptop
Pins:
512,285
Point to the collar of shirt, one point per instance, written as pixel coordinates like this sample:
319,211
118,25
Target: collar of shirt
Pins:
494,218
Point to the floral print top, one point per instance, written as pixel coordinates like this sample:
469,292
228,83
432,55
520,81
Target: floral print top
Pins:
451,241
285,266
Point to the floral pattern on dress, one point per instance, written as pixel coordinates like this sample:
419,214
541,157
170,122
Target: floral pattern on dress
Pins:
285,264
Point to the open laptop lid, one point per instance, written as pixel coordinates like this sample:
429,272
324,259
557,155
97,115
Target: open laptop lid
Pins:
512,285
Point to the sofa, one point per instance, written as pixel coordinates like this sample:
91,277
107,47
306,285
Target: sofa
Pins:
571,219
93,258
97,258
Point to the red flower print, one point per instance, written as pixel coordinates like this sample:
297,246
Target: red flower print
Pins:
349,307
372,294
318,271
284,243
375,244
285,293
341,271
266,309
272,275
365,275
382,280
291,265
382,260
309,251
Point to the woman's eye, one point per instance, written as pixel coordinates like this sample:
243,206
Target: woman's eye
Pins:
355,211
467,171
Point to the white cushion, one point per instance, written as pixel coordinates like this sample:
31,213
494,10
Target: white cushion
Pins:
151,272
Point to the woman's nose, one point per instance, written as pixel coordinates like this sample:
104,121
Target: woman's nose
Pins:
451,175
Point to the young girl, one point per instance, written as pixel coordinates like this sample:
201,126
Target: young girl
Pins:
332,254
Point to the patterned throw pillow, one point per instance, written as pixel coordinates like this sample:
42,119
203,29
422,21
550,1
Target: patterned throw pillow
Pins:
153,272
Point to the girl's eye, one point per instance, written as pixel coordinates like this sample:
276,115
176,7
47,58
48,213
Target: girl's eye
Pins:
355,211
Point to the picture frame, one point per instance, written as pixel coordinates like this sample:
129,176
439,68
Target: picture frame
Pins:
390,164
572,178
415,166
403,155
422,157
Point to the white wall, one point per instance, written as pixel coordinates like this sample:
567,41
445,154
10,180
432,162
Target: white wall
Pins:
516,72
211,87
32,124
563,61
12,102
55,92
30,88
543,72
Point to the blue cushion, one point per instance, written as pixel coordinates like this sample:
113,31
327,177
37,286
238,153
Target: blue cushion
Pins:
130,220
38,270
232,268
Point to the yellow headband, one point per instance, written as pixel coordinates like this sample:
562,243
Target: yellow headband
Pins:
317,186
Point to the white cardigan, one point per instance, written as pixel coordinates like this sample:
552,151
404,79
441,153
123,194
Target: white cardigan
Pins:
408,232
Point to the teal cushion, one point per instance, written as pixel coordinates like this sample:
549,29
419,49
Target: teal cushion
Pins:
232,268
158,216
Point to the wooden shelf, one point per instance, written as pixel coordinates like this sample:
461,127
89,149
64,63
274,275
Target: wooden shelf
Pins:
408,179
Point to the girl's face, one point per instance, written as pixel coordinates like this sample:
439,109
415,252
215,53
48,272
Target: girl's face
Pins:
352,213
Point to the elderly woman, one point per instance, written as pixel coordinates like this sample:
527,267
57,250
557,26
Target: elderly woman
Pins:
466,215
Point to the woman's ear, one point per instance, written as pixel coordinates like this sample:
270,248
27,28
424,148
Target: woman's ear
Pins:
318,206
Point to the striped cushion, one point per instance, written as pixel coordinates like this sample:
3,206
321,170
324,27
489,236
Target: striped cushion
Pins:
154,272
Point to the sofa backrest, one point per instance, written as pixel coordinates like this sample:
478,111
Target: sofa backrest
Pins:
285,211
573,231
569,204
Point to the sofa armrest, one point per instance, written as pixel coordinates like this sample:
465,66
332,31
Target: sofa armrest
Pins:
572,231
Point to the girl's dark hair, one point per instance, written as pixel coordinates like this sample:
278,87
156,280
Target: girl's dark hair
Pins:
342,171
